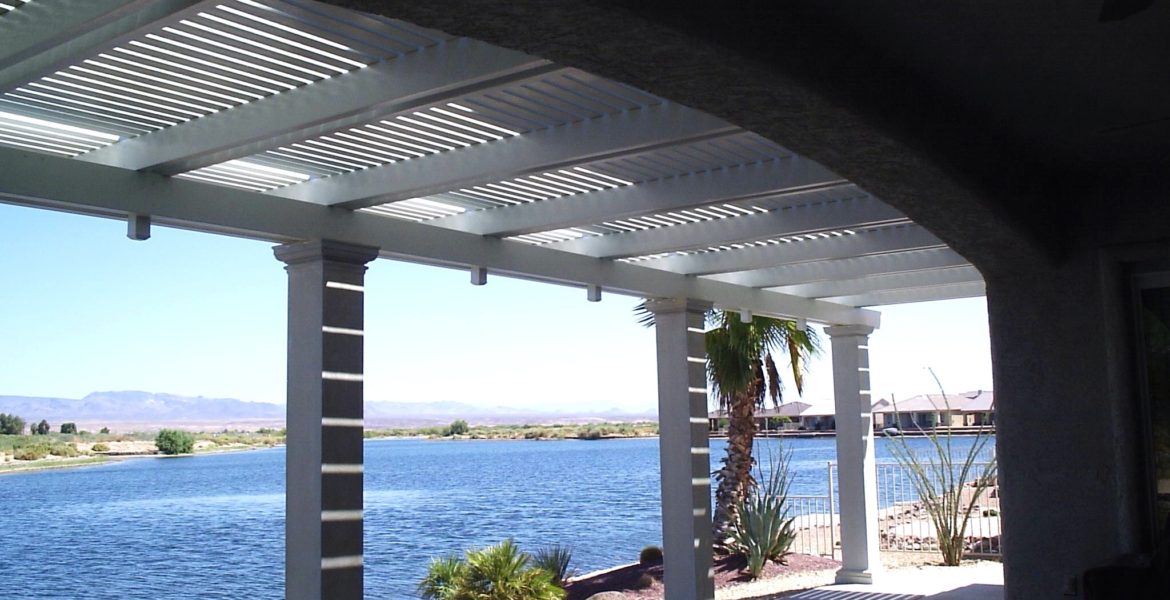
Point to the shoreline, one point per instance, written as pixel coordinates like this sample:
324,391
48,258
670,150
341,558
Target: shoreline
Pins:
30,466
51,464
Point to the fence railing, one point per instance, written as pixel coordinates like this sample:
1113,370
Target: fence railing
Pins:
815,524
903,523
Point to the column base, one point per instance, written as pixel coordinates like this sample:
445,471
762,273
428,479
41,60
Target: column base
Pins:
854,576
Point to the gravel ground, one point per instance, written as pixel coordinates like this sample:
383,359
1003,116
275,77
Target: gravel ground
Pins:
802,573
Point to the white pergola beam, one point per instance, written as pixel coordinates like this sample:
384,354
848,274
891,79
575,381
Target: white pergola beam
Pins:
845,268
42,37
432,74
883,282
795,220
974,289
52,182
604,137
874,241
791,174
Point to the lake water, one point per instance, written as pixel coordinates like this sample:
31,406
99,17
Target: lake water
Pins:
212,526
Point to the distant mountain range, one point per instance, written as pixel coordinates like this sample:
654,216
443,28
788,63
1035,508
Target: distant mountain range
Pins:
158,408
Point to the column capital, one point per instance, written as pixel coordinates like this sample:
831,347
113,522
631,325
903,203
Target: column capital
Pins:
660,306
296,253
848,330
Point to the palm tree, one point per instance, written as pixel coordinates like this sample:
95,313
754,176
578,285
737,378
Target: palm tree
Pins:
744,377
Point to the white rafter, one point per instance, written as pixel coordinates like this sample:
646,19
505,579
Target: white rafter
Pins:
45,35
852,267
863,242
550,149
972,289
825,216
724,185
293,119
430,74
40,180
883,282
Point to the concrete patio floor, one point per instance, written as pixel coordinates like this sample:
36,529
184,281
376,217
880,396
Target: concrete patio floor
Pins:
979,581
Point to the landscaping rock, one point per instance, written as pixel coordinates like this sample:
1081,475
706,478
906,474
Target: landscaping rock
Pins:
608,596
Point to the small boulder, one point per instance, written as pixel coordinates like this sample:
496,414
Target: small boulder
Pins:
608,596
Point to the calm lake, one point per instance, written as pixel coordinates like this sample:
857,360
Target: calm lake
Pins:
212,526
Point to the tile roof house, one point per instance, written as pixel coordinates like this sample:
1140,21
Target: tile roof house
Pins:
932,410
925,411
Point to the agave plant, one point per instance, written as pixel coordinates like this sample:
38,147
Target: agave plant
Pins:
762,530
499,572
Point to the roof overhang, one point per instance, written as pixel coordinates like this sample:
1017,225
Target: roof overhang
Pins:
291,119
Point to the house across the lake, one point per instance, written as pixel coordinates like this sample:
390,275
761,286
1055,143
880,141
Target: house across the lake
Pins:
926,411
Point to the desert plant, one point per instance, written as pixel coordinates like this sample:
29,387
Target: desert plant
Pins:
555,559
101,447
762,530
940,480
65,450
458,427
69,428
35,452
743,376
650,554
499,572
170,441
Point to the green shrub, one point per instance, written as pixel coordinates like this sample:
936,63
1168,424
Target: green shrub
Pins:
36,452
69,428
589,434
105,430
499,572
650,554
459,427
66,450
762,530
555,560
171,442
101,447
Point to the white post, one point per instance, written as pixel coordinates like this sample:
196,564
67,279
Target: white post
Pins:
685,456
323,470
856,477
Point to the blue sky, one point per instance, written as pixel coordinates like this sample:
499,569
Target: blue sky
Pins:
83,309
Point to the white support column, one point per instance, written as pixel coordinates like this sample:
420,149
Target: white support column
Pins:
323,472
855,454
684,455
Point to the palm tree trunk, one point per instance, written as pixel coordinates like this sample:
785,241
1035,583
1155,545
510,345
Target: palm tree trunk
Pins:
735,477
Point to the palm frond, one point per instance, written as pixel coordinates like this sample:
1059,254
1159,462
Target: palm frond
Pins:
643,315
775,385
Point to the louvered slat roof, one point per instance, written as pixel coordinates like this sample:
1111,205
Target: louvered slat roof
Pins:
291,119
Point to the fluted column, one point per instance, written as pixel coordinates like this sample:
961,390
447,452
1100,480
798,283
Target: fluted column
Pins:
856,474
685,456
323,472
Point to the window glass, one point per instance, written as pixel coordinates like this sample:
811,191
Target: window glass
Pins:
1156,339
